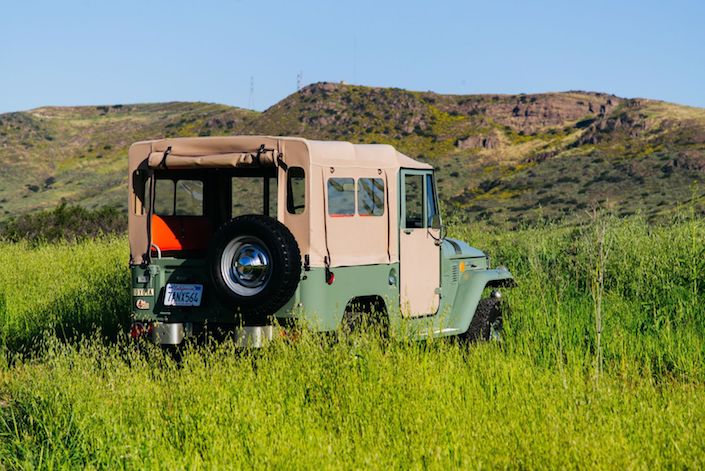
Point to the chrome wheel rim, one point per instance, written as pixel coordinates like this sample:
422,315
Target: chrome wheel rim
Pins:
496,330
245,265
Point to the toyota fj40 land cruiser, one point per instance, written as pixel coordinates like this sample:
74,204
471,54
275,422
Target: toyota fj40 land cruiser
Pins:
238,232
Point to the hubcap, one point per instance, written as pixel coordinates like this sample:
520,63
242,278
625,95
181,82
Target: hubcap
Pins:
250,265
245,265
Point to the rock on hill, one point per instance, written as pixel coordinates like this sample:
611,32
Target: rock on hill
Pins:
511,158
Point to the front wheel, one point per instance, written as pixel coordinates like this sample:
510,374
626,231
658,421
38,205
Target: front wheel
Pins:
486,324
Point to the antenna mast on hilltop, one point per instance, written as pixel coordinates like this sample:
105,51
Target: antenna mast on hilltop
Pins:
299,78
354,59
251,101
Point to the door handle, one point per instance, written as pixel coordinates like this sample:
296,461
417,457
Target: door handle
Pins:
407,231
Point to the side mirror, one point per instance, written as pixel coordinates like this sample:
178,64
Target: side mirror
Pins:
436,224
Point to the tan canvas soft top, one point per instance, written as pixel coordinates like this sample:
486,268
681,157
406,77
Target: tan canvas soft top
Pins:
215,152
335,241
242,151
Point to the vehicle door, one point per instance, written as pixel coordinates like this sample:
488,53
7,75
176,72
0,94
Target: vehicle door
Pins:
419,251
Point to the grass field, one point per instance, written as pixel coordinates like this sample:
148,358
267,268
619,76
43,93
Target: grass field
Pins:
557,392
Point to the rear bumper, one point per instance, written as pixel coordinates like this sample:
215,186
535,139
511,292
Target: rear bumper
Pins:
173,333
170,333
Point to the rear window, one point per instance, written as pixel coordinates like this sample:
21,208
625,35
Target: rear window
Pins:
189,198
178,198
341,196
164,197
370,197
248,195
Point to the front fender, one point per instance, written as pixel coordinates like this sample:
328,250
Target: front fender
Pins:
471,285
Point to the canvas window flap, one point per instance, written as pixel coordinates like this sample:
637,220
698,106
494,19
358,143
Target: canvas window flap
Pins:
229,160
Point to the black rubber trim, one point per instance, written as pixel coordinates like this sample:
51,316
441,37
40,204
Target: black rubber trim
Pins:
455,245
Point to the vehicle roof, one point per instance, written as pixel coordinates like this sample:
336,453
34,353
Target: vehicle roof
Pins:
239,151
326,239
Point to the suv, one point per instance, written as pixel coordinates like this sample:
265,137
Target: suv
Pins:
244,233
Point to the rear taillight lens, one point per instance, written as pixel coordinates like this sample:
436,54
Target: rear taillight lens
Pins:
138,330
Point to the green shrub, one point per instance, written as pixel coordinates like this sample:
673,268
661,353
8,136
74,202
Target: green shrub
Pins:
65,222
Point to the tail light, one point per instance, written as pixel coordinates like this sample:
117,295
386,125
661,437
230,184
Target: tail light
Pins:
138,330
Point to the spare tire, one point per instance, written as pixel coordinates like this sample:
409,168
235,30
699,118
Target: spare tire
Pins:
255,265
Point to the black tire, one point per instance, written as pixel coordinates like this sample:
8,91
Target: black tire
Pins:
366,315
270,241
488,315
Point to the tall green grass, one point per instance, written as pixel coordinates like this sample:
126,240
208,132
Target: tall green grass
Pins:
543,397
65,289
653,314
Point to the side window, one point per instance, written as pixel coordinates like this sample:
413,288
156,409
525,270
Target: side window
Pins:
432,218
164,197
370,197
295,190
341,197
189,198
413,199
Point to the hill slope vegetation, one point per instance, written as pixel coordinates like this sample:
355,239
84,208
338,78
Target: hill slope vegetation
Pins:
508,158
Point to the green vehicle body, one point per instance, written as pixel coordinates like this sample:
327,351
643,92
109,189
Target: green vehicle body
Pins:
320,303
322,307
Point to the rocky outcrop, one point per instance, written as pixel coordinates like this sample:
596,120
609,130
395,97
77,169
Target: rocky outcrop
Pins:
409,111
629,123
530,113
689,160
491,141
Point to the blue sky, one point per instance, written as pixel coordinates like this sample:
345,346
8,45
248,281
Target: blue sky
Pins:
91,52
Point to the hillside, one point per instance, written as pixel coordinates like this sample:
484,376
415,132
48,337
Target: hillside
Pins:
508,158
80,153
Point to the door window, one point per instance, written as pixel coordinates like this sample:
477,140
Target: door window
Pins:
432,218
414,201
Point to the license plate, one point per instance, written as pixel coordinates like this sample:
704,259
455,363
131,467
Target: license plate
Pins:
183,295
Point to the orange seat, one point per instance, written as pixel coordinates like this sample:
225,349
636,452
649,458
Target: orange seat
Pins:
181,232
